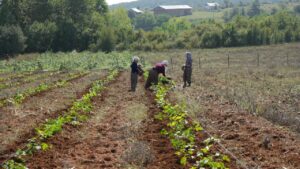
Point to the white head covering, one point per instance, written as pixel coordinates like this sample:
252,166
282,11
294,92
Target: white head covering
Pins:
165,62
135,59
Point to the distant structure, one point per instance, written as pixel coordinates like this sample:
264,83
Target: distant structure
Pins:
133,12
212,6
173,10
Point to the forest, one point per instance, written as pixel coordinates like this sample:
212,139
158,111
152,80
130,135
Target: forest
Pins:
66,25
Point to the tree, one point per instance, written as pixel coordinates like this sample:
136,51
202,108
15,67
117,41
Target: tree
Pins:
122,26
146,21
226,3
254,9
107,40
297,9
41,36
12,40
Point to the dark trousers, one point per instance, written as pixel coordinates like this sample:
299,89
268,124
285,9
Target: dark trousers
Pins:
152,78
134,80
187,75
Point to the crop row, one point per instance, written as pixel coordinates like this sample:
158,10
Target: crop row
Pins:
15,76
77,114
20,97
184,134
27,80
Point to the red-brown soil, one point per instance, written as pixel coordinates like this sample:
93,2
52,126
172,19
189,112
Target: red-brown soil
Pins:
17,123
12,91
253,141
112,137
27,79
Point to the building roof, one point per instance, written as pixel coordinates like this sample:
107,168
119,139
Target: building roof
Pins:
212,4
175,7
137,10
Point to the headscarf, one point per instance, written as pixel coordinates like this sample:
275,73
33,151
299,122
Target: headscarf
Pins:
189,59
165,63
135,59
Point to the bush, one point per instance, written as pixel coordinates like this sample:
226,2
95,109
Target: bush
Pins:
12,40
41,36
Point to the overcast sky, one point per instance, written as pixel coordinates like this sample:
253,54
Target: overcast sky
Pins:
110,2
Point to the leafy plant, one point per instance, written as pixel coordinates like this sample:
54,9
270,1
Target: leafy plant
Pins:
182,133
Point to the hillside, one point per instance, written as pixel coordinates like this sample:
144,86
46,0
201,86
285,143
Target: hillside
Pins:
193,3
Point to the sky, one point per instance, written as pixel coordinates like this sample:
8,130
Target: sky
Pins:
110,2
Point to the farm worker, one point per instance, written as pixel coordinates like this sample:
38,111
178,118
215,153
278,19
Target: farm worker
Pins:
187,69
159,68
134,73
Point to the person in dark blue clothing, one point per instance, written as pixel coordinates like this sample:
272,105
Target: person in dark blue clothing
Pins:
134,73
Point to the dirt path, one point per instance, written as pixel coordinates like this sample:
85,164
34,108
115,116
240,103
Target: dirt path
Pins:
120,134
17,123
254,141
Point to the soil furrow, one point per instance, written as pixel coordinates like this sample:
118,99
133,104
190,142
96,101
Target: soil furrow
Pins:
12,91
17,123
118,135
28,79
256,142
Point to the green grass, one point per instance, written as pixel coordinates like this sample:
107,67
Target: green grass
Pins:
65,61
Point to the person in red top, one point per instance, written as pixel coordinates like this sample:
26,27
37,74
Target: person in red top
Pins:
159,68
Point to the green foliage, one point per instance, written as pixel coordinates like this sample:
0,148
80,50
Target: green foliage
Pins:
61,25
254,9
12,40
11,164
146,21
123,30
182,134
281,27
41,36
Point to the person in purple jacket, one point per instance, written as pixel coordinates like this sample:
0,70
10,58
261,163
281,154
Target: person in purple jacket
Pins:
159,68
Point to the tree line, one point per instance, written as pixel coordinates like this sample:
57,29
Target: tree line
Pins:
66,25
281,27
57,25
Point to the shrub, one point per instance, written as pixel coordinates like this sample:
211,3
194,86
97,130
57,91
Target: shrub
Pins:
41,36
12,40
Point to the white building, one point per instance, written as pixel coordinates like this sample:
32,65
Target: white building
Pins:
212,6
173,10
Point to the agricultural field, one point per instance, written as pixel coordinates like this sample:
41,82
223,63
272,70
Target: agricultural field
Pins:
73,110
247,97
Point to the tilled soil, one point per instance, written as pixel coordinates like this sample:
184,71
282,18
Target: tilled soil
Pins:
12,91
27,79
121,133
17,123
253,141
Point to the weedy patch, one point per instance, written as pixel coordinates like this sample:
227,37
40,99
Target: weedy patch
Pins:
138,154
